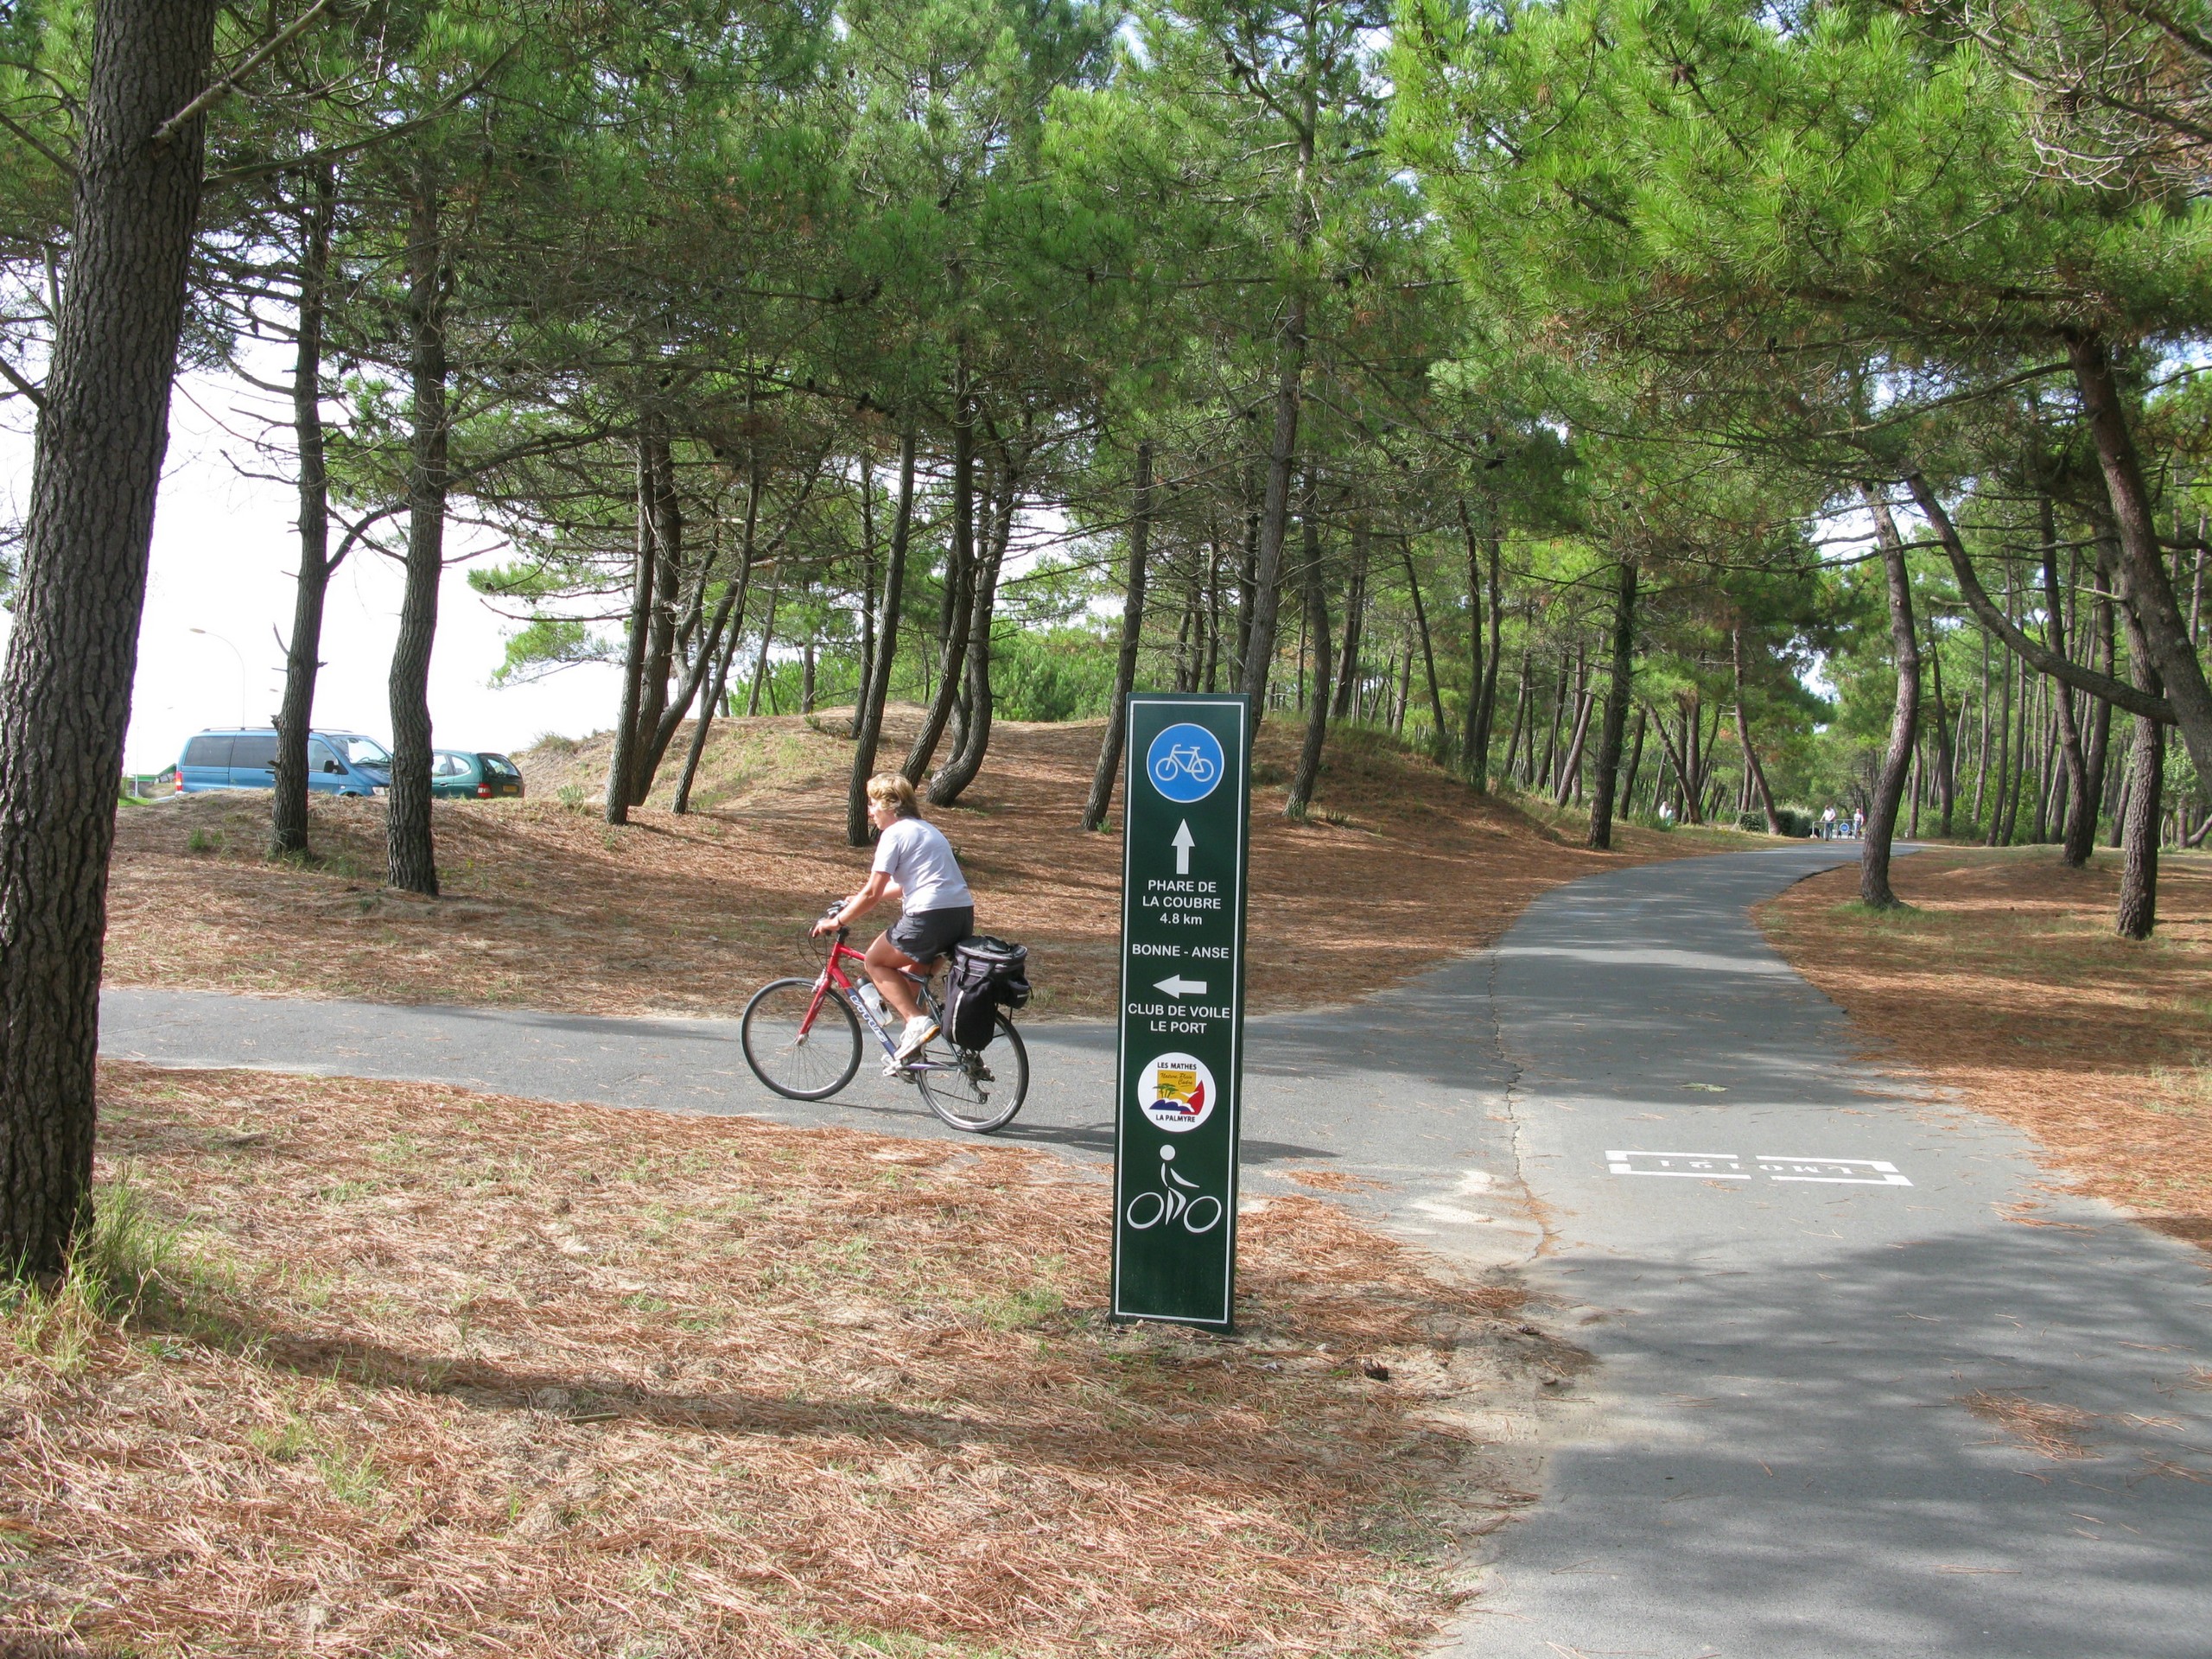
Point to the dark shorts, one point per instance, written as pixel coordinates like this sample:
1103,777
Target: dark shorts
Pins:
928,934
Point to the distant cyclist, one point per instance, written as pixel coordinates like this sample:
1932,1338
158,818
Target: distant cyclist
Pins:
914,863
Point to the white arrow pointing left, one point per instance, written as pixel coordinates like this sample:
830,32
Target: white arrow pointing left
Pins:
1176,985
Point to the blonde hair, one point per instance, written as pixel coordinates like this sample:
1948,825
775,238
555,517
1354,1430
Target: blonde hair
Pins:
890,789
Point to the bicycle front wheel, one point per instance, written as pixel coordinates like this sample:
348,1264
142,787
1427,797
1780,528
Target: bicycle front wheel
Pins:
980,1091
800,1061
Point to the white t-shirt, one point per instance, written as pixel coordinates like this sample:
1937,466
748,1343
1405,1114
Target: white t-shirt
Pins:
914,852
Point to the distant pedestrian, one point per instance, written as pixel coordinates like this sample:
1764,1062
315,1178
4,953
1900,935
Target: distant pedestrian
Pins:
1827,825
1857,822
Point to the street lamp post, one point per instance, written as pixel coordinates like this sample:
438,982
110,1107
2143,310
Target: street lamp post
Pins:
206,634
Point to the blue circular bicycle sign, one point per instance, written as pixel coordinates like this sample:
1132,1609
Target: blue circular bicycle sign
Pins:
1184,763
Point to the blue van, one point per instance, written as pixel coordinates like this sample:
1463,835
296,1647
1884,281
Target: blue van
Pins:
339,763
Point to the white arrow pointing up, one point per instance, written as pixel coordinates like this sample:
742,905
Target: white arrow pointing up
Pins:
1182,844
1176,985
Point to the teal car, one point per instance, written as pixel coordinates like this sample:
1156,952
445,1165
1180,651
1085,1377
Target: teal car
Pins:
472,774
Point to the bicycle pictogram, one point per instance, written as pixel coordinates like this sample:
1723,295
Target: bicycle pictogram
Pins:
1185,762
1174,1202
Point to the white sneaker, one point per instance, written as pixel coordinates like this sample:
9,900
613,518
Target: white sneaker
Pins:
919,1030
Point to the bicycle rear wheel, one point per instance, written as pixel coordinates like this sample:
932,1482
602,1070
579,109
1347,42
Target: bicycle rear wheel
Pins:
980,1091
813,1064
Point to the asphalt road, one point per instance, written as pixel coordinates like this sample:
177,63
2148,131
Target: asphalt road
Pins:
1775,1456
1794,1269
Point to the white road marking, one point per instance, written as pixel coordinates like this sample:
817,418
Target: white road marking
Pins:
1690,1165
1728,1166
1836,1172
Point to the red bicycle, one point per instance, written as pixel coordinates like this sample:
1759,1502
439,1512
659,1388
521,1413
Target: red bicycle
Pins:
802,1038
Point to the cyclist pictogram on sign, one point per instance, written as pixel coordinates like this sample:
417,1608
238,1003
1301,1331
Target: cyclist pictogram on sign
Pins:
1174,1203
1185,762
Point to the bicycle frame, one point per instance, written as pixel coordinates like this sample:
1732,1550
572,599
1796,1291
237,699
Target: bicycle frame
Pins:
833,974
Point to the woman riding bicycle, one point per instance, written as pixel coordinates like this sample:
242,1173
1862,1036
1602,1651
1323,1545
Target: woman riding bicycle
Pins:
914,861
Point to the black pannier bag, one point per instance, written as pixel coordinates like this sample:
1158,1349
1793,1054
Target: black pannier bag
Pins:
987,975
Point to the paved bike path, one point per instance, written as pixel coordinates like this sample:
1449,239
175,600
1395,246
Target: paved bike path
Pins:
1396,1109
1771,1457
1775,1456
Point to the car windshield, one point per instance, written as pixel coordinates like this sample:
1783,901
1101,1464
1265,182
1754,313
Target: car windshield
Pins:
364,751
500,765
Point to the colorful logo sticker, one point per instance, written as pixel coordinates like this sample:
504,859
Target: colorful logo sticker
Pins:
1185,762
1176,1092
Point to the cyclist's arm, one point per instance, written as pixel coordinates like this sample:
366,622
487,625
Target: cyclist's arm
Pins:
878,885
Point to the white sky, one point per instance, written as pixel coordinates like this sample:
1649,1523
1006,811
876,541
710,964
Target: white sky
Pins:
225,551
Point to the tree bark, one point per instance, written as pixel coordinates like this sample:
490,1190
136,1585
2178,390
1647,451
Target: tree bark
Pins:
1317,708
1905,721
1570,764
1753,772
959,576
2099,744
1347,673
661,626
767,639
1946,756
976,733
411,859
1436,738
1125,665
2143,585
65,703
720,647
1986,610
1617,693
2139,858
868,718
623,765
288,811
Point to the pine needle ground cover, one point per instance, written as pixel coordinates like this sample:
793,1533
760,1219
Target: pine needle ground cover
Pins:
547,906
2006,983
368,1369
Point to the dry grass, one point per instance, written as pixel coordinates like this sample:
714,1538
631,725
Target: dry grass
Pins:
548,907
382,1369
2005,982
2053,1431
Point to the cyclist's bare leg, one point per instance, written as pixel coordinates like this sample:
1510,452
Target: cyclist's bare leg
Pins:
888,965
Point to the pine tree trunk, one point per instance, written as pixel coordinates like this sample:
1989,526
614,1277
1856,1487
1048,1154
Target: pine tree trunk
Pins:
1946,778
623,765
959,578
1754,772
953,778
1347,675
719,651
288,811
661,626
2144,587
1428,653
1905,721
65,702
1308,774
411,859
2138,857
868,718
1473,738
708,707
1274,509
1125,665
767,638
1618,690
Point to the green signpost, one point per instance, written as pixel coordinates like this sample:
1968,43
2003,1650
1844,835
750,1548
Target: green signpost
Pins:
1186,796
